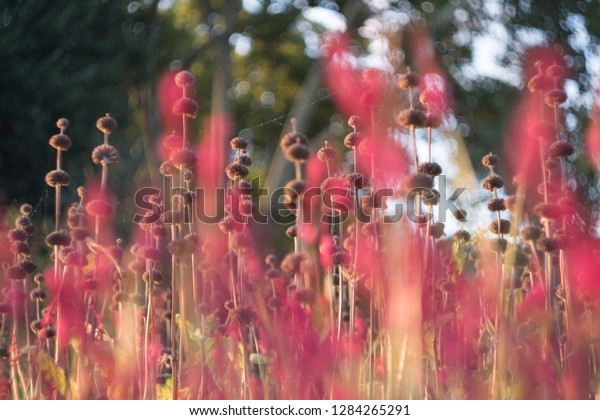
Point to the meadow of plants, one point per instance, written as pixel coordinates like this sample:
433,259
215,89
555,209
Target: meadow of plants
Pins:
383,287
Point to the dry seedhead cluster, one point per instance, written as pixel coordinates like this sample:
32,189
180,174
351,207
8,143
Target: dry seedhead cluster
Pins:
362,308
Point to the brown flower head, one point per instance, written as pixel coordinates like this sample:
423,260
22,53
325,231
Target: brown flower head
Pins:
60,142
57,177
105,154
106,124
185,106
184,78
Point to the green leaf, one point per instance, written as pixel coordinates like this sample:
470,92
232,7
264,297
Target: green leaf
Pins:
165,391
52,374
259,359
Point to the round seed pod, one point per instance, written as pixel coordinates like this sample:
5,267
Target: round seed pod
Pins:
436,230
355,180
136,299
20,248
60,142
326,154
430,168
167,168
408,80
28,265
99,208
511,203
236,170
411,117
496,204
80,233
490,160
418,181
531,233
49,332
560,149
354,122
57,177
36,326
26,209
547,245
246,207
243,159
23,222
521,259
460,215
244,187
498,245
180,247
17,235
271,260
462,236
493,182
62,123
291,232
37,294
294,188
504,227
185,158
539,83
239,143
38,278
293,138
184,78
292,263
297,152
353,139
58,238
106,124
555,97
105,154
185,106
431,197
151,253
367,146
172,142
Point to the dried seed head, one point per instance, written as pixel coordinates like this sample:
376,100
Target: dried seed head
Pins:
538,83
173,141
436,230
418,181
49,332
58,238
326,153
411,117
462,236
185,158
105,154
429,96
297,152
490,160
460,215
504,227
36,326
431,197
430,168
548,245
246,207
20,248
511,203
26,209
17,235
185,106
62,123
292,263
294,188
60,142
106,124
408,80
155,275
499,245
293,138
81,192
99,208
555,97
167,168
57,177
355,180
367,146
184,78
496,204
493,182
353,139
560,149
236,170
531,233
291,232
354,122
239,143
244,159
